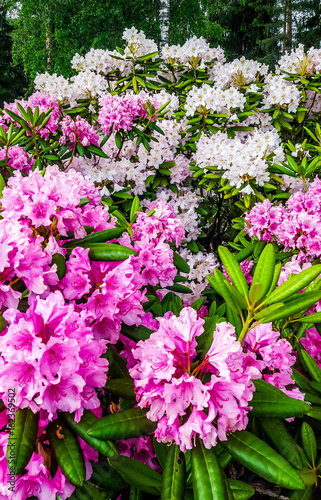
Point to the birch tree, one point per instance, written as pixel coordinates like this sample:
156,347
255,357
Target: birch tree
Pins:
164,22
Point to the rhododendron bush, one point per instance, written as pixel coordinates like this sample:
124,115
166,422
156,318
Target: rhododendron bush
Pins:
160,278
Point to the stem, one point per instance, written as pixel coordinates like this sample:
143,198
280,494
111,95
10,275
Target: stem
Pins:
305,185
245,327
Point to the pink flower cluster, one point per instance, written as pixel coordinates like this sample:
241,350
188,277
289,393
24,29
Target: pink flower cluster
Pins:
151,232
297,226
44,103
183,404
110,293
78,130
52,200
120,111
50,356
16,157
273,357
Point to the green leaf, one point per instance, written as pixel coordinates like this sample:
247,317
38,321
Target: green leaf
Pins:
302,302
179,288
22,439
261,459
86,492
2,185
307,494
106,477
80,149
96,150
180,263
118,140
174,475
240,490
161,450
208,478
134,208
293,285
277,406
231,296
282,440
136,333
267,311
234,271
67,451
137,474
264,271
108,251
80,428
123,425
120,387
60,262
309,364
311,318
98,237
309,442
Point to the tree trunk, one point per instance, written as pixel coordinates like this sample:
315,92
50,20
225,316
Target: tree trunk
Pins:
287,27
288,46
164,19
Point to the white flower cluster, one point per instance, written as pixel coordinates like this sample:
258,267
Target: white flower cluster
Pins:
242,162
102,62
237,73
201,264
137,43
88,84
214,100
55,86
300,62
195,52
279,92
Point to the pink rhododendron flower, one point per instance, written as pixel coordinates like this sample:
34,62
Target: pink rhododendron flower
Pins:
50,356
183,404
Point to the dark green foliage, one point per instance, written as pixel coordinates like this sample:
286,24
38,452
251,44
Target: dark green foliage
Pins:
12,79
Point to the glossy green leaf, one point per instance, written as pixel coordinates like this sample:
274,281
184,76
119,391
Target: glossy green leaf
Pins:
261,459
86,492
276,275
108,251
123,388
134,208
276,406
67,451
106,477
234,271
180,263
208,478
136,333
302,302
307,494
137,474
309,442
2,185
123,425
315,412
177,287
231,296
240,490
293,285
268,310
98,237
96,150
282,440
22,439
88,419
309,364
311,318
60,262
174,475
161,450
264,271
